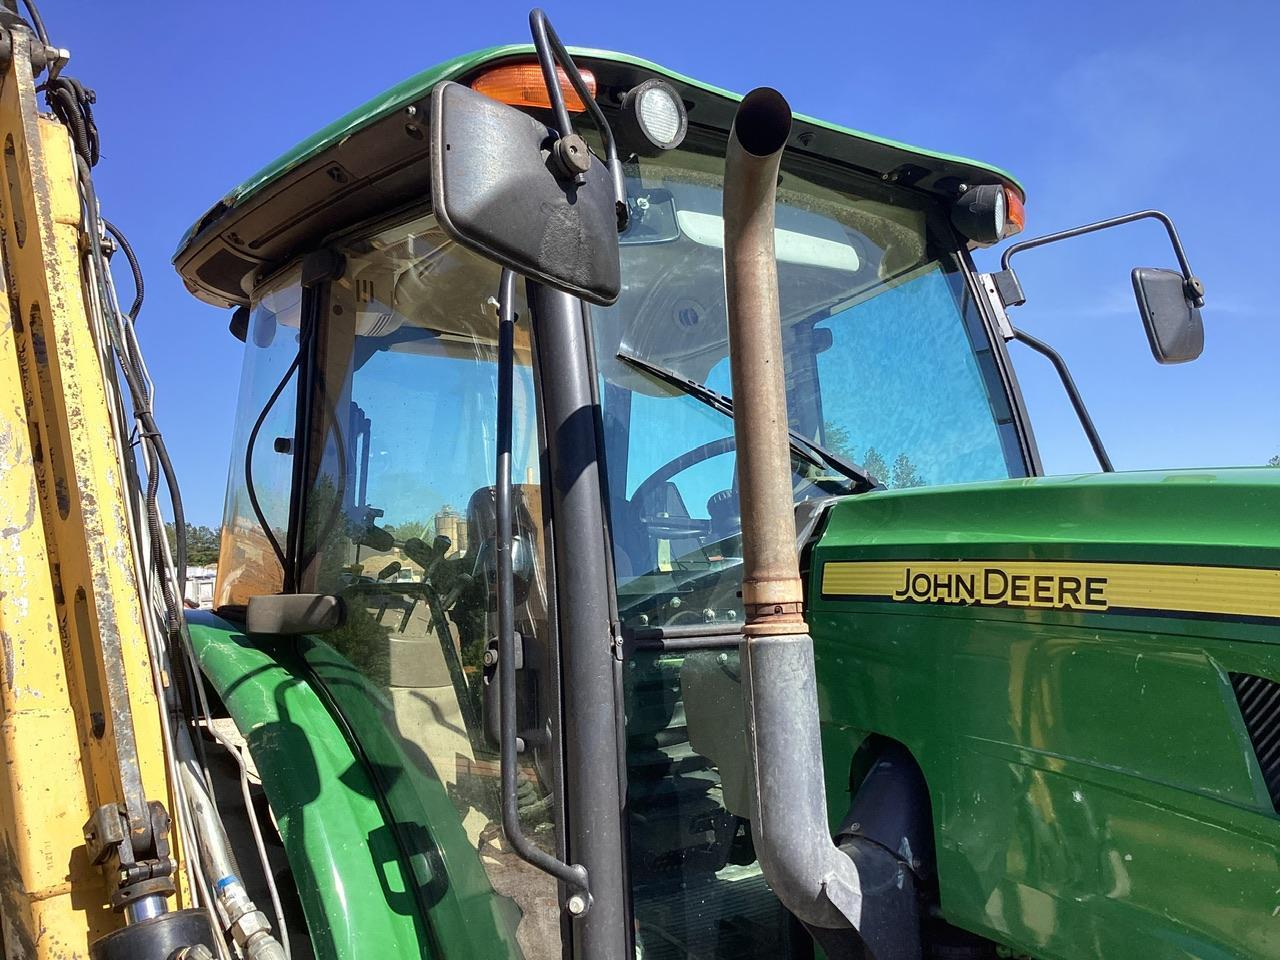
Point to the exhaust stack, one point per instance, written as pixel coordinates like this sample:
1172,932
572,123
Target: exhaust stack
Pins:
808,873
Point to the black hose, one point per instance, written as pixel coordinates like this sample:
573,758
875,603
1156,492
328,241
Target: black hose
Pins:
37,21
138,395
72,102
248,458
139,288
1073,394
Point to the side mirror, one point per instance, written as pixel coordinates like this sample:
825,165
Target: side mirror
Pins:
1169,301
499,189
1171,319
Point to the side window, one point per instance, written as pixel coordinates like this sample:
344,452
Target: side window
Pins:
247,561
400,522
903,390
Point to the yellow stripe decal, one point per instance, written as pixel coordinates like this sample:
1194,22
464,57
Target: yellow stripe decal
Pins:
1218,591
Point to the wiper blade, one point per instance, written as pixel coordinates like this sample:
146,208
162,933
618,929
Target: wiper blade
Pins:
800,444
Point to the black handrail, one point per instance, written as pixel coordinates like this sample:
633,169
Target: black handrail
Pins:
1073,394
572,875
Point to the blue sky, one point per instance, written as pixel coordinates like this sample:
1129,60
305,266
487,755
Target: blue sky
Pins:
1099,108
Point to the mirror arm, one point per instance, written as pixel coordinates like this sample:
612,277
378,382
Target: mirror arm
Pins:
574,876
550,50
1007,281
1077,401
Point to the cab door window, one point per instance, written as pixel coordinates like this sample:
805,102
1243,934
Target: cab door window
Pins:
400,523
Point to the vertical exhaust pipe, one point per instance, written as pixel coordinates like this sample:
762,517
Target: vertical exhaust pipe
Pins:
808,873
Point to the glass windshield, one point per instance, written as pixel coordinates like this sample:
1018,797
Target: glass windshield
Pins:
887,364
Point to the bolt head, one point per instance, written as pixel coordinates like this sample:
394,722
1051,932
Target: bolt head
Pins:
577,905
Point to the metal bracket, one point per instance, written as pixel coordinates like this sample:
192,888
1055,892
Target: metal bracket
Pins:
570,150
995,298
136,864
12,30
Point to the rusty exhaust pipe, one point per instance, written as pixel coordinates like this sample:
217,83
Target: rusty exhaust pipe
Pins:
808,873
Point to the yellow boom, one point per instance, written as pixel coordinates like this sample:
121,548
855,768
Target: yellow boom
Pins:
81,730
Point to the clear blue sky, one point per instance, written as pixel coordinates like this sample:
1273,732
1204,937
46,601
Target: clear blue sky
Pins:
1100,109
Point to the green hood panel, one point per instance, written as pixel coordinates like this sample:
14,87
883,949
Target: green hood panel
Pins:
1094,789
1217,511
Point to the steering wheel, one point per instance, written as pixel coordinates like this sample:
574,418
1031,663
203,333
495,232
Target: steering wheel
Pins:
704,451
687,526
674,527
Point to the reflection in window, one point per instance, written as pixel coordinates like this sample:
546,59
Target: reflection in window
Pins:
400,522
903,392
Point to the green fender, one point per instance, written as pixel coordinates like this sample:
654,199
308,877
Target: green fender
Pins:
354,885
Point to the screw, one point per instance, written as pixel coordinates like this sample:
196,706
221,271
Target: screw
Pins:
490,658
577,905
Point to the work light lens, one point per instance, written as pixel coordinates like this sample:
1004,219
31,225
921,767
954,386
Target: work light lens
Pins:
660,115
652,116
999,213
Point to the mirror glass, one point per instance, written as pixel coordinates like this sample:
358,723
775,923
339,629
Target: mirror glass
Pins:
495,191
1173,323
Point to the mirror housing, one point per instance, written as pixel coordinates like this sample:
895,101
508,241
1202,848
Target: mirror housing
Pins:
498,189
1171,319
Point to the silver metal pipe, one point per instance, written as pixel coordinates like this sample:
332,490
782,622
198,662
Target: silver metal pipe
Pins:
812,878
215,849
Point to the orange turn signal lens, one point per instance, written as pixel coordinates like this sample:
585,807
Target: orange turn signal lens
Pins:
520,85
1015,214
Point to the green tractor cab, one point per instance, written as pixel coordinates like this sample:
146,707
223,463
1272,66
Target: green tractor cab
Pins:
1047,705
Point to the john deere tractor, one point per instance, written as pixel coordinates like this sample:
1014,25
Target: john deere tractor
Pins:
636,546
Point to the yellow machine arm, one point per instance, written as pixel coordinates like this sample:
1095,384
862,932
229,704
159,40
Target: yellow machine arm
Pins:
85,786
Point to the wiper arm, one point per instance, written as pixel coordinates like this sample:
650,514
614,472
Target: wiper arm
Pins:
800,444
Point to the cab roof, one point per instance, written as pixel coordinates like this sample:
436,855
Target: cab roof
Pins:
367,162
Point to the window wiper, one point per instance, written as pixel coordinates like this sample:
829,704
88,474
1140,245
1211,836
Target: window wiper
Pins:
800,444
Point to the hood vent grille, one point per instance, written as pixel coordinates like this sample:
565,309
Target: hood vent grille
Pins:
1259,700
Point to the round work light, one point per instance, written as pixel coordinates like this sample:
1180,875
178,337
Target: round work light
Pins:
654,116
980,213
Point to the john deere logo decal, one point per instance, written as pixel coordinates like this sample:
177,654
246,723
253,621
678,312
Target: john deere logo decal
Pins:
1234,593
999,587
